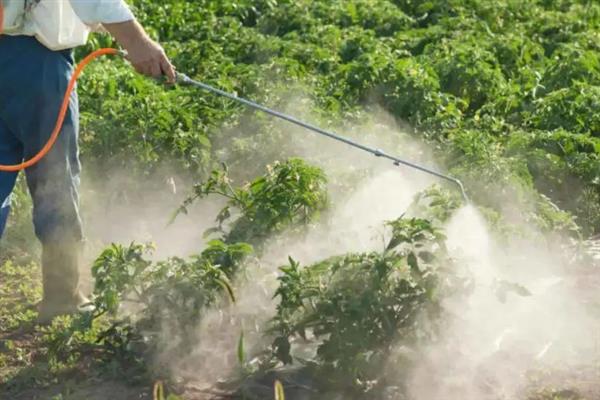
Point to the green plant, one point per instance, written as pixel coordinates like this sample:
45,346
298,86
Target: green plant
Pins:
444,67
435,204
290,194
353,308
504,92
174,292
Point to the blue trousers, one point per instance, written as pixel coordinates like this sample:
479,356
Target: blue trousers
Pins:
33,80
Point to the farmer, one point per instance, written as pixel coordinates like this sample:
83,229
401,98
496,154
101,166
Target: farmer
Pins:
33,79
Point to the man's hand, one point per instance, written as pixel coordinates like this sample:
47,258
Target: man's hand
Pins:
147,56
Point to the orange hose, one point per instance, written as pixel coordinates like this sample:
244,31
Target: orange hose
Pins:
63,110
1,17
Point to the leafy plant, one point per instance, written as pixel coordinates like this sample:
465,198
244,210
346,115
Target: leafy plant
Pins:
505,93
291,193
353,308
435,204
174,293
476,67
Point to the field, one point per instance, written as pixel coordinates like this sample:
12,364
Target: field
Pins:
228,250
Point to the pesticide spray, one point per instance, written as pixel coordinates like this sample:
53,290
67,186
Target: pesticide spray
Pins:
485,353
488,349
496,345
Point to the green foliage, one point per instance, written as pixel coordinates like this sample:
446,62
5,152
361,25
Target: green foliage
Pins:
354,307
115,272
413,93
66,339
18,291
571,65
18,242
467,71
566,166
492,176
571,108
493,69
142,123
505,92
290,194
435,204
174,293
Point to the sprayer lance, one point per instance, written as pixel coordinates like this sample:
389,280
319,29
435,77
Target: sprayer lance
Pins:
186,80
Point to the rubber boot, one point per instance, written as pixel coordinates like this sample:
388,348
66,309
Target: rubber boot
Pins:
60,275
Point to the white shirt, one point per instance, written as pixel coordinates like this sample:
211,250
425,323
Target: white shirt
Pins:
94,12
61,24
